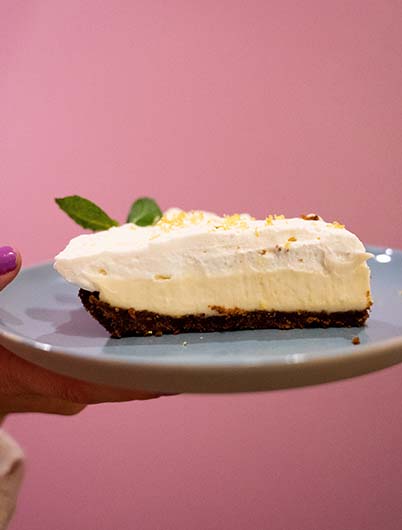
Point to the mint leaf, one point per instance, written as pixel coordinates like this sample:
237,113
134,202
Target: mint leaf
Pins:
144,212
86,213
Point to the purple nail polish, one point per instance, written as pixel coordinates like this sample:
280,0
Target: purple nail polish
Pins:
8,259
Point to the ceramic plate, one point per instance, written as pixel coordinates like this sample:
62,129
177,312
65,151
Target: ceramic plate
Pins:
42,320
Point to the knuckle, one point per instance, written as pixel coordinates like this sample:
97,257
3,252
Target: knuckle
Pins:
72,409
75,394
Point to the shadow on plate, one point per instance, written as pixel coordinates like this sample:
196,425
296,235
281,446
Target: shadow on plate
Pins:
263,336
75,323
9,319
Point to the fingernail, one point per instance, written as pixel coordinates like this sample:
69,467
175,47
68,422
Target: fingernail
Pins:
8,259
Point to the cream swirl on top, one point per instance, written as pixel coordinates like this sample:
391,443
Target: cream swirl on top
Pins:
195,262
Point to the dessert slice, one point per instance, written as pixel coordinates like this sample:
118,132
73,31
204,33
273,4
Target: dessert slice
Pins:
196,271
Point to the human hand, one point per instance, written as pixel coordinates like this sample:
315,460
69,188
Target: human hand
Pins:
25,387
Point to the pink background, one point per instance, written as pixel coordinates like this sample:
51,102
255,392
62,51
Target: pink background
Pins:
262,106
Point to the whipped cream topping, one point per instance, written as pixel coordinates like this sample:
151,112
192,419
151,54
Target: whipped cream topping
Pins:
198,262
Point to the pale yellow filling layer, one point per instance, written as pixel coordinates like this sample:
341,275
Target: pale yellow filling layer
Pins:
284,290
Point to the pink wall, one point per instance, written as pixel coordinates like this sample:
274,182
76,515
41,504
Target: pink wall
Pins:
268,107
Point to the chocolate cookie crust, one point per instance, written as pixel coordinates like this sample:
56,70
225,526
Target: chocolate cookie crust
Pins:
129,322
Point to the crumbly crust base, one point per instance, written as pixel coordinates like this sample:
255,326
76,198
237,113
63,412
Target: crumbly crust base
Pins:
129,322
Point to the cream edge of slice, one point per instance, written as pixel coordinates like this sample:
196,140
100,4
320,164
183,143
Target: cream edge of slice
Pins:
189,262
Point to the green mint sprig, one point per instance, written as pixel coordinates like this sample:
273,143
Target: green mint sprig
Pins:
144,212
87,214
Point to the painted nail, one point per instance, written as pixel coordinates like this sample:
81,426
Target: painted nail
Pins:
8,259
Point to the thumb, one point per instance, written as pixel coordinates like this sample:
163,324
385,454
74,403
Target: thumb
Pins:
10,264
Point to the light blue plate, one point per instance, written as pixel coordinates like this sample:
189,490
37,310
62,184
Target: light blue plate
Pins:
42,320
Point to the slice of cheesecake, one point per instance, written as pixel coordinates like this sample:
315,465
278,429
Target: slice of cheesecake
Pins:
196,271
